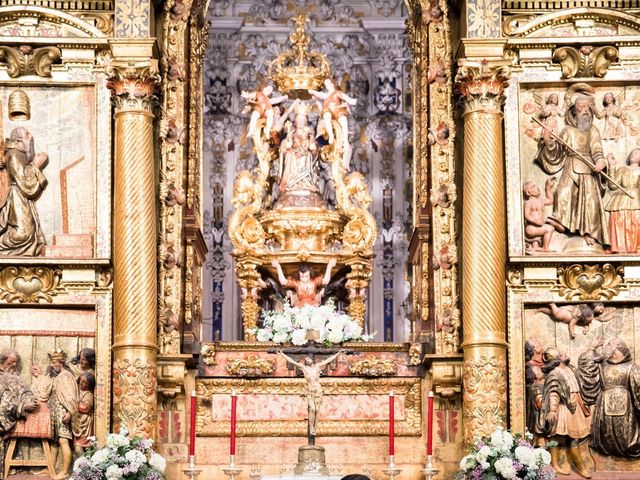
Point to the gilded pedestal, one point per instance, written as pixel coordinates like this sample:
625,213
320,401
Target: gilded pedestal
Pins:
483,250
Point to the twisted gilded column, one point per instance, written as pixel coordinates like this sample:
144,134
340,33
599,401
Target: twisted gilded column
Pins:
134,251
483,249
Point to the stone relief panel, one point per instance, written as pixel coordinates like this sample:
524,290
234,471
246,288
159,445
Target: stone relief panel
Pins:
366,46
574,190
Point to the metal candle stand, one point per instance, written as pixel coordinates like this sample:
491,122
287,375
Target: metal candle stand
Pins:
391,471
191,471
429,469
232,471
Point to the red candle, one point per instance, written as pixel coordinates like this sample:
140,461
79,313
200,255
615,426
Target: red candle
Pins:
391,424
192,425
430,424
234,402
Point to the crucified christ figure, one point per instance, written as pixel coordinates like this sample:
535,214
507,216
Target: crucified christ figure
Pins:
311,372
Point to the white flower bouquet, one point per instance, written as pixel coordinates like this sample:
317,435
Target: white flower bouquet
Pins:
506,456
120,458
301,325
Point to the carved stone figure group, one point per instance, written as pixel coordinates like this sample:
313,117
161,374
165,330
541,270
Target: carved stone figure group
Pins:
597,400
58,405
594,201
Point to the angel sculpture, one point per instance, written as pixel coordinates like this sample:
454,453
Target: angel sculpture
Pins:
613,118
262,106
335,105
580,315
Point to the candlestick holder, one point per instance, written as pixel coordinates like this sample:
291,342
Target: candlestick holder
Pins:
391,471
191,471
429,469
232,471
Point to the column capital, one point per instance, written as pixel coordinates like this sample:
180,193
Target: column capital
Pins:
134,82
482,84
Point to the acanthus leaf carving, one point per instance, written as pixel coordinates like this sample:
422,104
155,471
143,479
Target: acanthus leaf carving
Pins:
482,84
26,60
586,61
374,367
250,367
590,282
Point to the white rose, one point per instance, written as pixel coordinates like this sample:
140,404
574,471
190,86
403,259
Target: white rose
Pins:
114,472
299,337
158,462
507,441
504,466
543,455
280,337
264,335
526,456
115,440
334,336
497,439
467,463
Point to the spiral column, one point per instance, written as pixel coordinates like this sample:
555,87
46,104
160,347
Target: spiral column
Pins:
134,252
483,258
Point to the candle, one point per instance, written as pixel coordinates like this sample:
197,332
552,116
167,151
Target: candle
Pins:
430,424
234,402
192,425
391,424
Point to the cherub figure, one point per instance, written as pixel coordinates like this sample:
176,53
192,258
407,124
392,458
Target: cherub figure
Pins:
574,315
308,291
439,135
262,106
335,105
538,227
613,116
551,113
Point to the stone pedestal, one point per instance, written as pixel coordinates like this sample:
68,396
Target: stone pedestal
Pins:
311,461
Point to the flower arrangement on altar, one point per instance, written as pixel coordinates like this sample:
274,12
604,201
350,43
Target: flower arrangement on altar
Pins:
120,458
301,325
505,455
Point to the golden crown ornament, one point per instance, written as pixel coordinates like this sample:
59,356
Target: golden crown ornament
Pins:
298,69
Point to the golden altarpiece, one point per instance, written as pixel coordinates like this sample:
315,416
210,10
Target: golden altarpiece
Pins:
107,250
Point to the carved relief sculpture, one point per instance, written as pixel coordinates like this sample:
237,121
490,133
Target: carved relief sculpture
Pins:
20,232
624,210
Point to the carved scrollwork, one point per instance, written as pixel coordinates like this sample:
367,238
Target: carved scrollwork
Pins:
208,355
251,367
26,60
585,61
134,395
374,367
28,284
590,282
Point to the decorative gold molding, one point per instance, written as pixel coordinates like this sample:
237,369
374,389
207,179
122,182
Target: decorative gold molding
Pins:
254,346
411,425
134,395
446,374
484,394
28,284
415,355
482,84
374,367
590,282
250,367
208,354
585,61
26,60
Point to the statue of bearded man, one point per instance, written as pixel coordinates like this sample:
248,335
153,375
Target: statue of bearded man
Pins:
578,206
21,183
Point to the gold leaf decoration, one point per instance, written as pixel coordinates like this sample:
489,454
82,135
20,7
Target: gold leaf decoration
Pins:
374,367
250,367
28,284
590,282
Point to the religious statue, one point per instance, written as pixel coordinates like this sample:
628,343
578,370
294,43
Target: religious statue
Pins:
311,372
565,412
57,387
534,381
335,106
20,232
577,152
551,113
84,362
624,211
16,398
261,106
298,156
538,228
308,291
82,420
574,315
610,381
612,114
